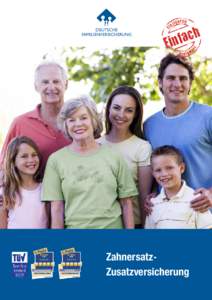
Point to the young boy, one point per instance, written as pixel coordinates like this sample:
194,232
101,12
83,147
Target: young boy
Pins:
171,208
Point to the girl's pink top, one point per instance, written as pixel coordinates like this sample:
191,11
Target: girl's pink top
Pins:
31,214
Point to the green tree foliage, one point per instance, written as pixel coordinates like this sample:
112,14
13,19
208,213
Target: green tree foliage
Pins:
107,69
202,85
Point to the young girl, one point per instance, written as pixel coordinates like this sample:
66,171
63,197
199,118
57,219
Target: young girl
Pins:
123,122
21,206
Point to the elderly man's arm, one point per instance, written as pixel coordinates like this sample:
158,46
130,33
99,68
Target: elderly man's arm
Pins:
127,213
9,137
12,133
202,199
57,214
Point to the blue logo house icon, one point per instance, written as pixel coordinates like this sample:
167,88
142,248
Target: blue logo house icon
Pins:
106,17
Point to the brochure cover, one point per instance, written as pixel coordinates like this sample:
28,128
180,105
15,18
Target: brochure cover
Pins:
100,46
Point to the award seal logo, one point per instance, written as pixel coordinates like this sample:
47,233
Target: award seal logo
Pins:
181,35
19,264
71,264
43,266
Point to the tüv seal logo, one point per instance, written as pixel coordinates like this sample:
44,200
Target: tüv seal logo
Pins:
106,17
19,264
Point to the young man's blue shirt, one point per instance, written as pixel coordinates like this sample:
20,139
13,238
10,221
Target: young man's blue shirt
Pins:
191,132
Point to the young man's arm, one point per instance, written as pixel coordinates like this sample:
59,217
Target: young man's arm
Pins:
203,201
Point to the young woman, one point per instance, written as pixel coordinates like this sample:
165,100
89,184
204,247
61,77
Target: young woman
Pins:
21,206
124,133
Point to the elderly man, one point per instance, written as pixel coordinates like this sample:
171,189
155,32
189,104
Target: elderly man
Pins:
40,124
186,125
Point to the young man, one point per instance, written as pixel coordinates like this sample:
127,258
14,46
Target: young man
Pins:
172,208
186,125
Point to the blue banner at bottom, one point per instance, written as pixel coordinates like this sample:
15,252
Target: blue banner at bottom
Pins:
105,264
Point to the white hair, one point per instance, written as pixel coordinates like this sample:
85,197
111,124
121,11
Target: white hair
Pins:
51,63
72,105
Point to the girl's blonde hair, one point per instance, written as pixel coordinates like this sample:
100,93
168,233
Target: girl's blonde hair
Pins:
11,177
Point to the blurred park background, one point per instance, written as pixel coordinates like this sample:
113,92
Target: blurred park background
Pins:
98,72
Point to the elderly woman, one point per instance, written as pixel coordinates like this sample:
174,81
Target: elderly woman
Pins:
88,183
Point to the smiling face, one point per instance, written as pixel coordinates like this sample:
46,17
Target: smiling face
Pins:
175,84
79,125
167,172
50,84
27,160
122,111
